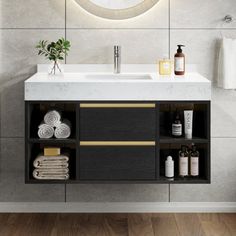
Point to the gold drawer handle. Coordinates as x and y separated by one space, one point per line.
117 143
117 105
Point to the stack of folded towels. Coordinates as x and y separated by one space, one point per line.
53 124
51 165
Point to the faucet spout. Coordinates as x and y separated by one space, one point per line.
117 59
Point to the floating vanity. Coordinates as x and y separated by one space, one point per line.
120 122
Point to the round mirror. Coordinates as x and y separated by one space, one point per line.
116 9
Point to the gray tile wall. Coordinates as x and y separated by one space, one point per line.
144 39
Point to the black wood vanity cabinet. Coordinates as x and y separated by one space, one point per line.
119 142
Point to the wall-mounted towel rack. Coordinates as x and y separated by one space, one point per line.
228 19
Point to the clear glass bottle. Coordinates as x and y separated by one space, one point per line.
183 161
194 161
165 66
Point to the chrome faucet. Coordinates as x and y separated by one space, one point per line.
117 59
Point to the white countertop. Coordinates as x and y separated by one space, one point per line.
79 83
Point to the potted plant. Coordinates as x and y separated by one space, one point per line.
55 52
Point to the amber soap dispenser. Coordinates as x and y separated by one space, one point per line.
179 61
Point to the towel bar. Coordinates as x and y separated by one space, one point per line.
228 19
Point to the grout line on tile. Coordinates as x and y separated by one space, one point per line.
65 193
32 28
202 28
169 29
118 28
169 193
65 25
212 137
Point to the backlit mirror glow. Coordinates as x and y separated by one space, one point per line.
116 9
116 4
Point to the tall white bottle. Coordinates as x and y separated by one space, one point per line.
169 167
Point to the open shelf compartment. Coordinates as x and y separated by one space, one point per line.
36 112
35 149
170 149
201 122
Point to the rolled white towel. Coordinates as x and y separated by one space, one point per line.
63 130
52 118
45 131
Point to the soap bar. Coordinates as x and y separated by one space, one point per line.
52 151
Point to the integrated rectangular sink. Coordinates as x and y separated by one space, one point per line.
117 77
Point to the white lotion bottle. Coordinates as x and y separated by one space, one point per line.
169 167
188 124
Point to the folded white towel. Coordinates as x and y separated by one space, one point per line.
52 118
57 174
51 164
51 161
227 64
45 131
63 130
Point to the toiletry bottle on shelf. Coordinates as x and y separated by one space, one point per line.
169 167
194 161
188 124
177 126
165 66
179 61
183 161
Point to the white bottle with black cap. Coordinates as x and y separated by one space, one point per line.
169 167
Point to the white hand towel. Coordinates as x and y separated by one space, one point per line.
227 64
51 164
63 130
51 160
45 131
52 118
62 174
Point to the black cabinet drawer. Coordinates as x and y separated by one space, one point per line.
117 163
118 123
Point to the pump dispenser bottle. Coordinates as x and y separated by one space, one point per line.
183 161
194 161
179 61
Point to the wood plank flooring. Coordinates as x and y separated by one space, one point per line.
118 224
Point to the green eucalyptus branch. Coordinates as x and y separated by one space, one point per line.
54 51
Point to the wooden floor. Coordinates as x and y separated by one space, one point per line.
117 224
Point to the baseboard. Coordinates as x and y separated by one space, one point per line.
117 207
